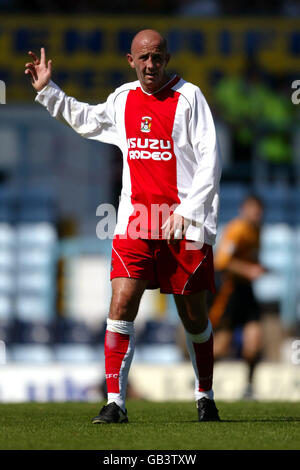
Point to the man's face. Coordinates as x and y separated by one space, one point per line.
149 58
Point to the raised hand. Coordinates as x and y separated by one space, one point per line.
38 70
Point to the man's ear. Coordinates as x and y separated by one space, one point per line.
168 57
130 61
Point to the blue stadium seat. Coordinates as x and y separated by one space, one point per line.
32 307
6 307
8 204
277 202
35 258
7 248
7 269
36 214
37 204
281 202
70 331
277 244
38 332
7 235
7 330
277 255
157 343
158 332
231 197
42 234
31 353
158 354
33 282
7 284
297 259
75 353
295 207
36 271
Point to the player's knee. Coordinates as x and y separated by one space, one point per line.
193 315
123 308
195 325
197 319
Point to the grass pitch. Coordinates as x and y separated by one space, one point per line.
153 426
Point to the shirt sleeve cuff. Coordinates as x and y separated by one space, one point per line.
47 90
195 216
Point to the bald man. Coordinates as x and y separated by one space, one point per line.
168 208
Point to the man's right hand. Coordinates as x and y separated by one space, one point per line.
246 269
255 270
38 70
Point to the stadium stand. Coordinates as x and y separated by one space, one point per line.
7 204
37 204
231 196
278 255
29 252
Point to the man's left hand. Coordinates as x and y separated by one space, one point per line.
174 228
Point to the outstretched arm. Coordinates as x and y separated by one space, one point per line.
246 269
38 70
90 121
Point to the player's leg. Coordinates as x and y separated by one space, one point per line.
249 321
251 348
119 346
222 343
186 270
132 270
192 310
251 340
119 337
193 314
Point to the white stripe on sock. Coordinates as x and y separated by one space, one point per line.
201 337
120 326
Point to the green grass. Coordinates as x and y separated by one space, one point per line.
152 426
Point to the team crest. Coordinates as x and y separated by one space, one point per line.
146 124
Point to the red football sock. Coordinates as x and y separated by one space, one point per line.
118 350
205 364
200 347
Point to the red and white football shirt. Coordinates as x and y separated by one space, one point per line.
170 155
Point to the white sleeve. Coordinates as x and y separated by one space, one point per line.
205 184
92 122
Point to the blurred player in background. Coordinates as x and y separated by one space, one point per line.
165 130
235 308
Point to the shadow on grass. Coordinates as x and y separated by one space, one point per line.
243 420
262 420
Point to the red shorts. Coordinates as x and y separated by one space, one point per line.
184 268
